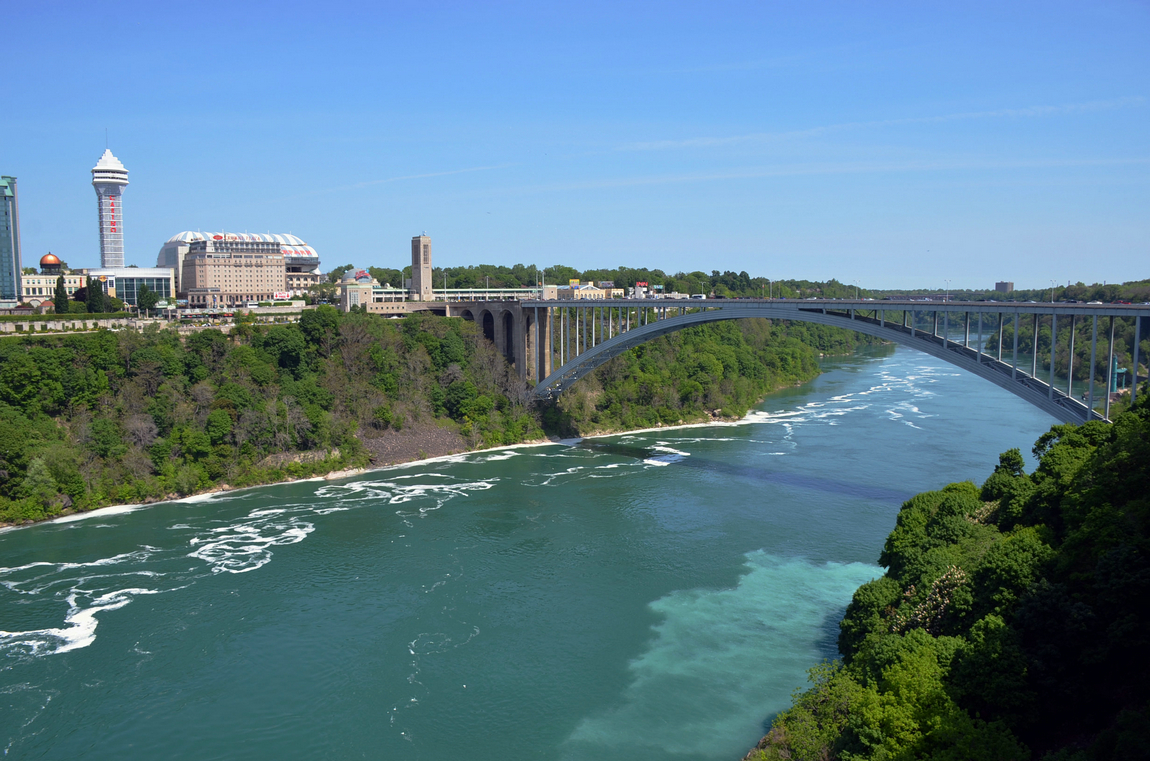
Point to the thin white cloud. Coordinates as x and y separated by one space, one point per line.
796 170
1030 112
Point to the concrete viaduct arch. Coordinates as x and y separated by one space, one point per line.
513 330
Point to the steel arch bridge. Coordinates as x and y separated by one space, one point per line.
588 334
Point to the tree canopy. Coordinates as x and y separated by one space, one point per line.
1012 620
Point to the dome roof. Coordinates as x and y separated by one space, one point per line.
290 245
49 260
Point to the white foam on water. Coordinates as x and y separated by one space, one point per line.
721 661
247 546
550 478
496 457
48 571
102 512
79 628
205 497
238 545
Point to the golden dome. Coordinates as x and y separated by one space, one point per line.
49 260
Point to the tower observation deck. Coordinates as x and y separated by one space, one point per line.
109 178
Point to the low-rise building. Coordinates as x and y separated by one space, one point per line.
1004 287
125 283
37 290
359 289
581 292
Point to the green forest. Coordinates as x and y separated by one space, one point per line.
111 417
1012 621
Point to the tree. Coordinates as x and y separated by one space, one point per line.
146 299
337 273
61 298
95 296
219 426
38 483
319 324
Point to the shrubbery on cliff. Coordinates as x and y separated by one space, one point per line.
108 417
1013 620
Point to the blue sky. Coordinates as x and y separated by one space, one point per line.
897 144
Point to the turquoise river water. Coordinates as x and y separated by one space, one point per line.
641 596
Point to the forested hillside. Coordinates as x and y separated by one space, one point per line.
1012 621
121 417
112 417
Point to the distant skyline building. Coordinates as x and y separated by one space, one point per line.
421 269
9 243
1004 287
109 178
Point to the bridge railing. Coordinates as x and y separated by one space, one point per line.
574 328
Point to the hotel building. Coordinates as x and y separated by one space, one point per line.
228 270
301 262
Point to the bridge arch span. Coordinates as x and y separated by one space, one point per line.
1002 374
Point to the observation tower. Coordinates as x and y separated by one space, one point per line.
109 178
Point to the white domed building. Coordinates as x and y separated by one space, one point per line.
300 261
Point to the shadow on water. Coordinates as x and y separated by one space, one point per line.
757 473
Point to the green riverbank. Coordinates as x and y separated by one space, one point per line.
123 417
1011 622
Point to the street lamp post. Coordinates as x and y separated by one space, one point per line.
946 296
1051 291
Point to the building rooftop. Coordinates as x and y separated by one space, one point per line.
109 170
290 245
108 161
